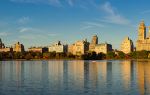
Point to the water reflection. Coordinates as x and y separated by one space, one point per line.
74 77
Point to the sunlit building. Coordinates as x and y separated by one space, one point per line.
93 43
143 41
99 48
18 47
103 48
58 47
38 49
3 48
127 45
79 47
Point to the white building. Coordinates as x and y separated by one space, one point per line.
58 47
127 45
103 48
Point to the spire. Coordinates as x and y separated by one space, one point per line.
142 23
142 31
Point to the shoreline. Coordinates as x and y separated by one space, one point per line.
73 60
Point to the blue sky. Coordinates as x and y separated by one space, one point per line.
42 22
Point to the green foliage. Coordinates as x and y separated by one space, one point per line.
28 56
18 55
46 55
70 55
93 56
139 54
133 54
87 56
142 54
121 55
110 55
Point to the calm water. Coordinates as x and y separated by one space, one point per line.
74 78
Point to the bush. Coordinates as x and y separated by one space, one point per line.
110 55
28 56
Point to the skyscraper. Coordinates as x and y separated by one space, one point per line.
143 42
93 43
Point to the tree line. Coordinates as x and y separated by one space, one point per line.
87 56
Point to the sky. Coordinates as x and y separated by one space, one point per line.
43 22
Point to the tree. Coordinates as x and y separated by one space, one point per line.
142 54
28 56
101 56
110 55
18 55
121 54
46 55
133 54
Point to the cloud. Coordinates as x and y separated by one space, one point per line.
31 36
88 25
52 34
112 16
50 2
70 2
55 2
145 12
4 33
24 20
60 3
26 29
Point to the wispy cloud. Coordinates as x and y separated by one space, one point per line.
70 2
55 2
24 20
145 12
27 29
32 36
52 34
60 3
112 16
50 2
4 33
88 25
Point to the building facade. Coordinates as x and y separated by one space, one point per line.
127 45
58 48
143 41
6 49
18 47
93 43
99 48
38 49
3 48
79 47
1 44
103 48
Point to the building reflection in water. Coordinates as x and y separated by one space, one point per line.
126 71
76 75
56 77
143 77
147 77
1 70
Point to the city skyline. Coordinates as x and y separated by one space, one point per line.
42 22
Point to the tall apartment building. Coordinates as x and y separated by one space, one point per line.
58 47
143 41
18 47
127 45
